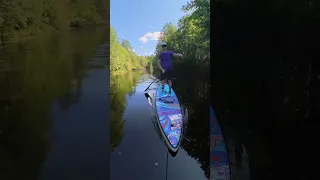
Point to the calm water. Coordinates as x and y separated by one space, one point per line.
137 150
54 115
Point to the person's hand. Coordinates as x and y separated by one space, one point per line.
163 71
180 55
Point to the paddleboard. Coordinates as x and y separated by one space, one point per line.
219 160
169 117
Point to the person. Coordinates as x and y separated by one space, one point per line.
165 65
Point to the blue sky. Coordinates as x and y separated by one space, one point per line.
140 21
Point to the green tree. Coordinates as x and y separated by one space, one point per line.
29 17
191 37
126 44
122 56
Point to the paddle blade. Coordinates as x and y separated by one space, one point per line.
147 95
148 98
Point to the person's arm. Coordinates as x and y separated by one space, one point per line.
159 62
176 54
159 65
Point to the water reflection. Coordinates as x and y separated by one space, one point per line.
134 136
120 86
34 74
193 92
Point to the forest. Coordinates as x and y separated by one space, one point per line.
191 37
20 18
122 56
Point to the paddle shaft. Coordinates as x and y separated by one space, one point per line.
152 82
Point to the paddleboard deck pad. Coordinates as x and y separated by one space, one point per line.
169 116
219 161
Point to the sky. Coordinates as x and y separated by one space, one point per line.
140 21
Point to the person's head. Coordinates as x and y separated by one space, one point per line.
164 46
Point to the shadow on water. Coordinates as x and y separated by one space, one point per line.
120 87
193 92
135 136
35 76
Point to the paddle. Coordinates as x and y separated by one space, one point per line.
157 78
152 82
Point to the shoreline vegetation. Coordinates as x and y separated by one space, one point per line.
191 37
123 58
20 19
123 72
44 33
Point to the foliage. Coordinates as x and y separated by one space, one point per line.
28 17
123 57
191 37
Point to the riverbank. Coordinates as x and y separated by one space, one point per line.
124 72
19 36
25 18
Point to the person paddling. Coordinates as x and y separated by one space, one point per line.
165 65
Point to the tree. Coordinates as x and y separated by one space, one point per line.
29 17
191 37
126 44
122 56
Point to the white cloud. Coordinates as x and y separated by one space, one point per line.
148 53
150 36
141 46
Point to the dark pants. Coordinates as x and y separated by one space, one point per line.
166 76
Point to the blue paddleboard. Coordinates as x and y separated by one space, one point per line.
169 117
219 160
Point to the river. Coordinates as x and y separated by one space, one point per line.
54 99
137 150
63 117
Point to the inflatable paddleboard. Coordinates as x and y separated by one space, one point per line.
169 117
219 160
